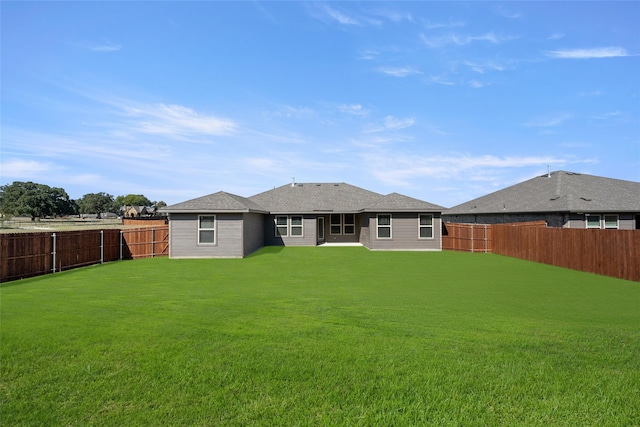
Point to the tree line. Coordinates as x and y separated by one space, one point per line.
40 200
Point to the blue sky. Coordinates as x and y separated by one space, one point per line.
442 101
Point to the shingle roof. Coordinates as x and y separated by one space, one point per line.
398 202
315 197
216 202
560 191
305 198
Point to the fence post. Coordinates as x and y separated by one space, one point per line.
121 245
101 246
153 241
472 233
53 254
485 239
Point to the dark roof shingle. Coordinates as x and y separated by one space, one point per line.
559 191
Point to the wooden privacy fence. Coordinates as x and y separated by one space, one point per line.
32 254
475 237
614 253
467 237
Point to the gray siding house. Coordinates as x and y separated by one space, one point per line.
562 199
301 214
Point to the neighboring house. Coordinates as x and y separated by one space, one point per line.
562 199
227 225
138 211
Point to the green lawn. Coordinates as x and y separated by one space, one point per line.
321 336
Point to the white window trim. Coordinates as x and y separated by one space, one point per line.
345 225
214 229
432 227
289 226
333 224
378 226
604 221
276 225
586 221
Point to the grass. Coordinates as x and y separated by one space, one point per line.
321 336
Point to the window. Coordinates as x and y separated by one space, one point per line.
349 224
281 226
611 221
207 229
289 226
296 226
384 226
336 224
425 226
593 221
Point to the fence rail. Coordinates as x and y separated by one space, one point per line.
32 254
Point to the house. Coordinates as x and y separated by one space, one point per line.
138 211
301 214
562 199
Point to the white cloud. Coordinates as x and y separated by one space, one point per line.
598 52
286 111
101 46
436 25
476 84
107 47
19 169
339 16
548 121
176 120
462 39
442 80
390 123
353 109
401 169
556 36
399 71
482 67
607 116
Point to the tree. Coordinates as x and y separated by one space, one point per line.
132 200
97 203
34 200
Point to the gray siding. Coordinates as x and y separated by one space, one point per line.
183 237
404 233
253 232
365 230
308 238
626 221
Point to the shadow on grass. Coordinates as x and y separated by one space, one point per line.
266 250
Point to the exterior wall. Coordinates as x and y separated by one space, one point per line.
341 238
308 238
253 232
552 219
365 230
626 221
404 233
183 237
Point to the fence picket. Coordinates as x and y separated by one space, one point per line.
32 254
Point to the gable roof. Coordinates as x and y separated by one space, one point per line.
302 198
315 198
214 203
398 202
559 191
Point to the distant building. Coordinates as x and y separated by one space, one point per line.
562 199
